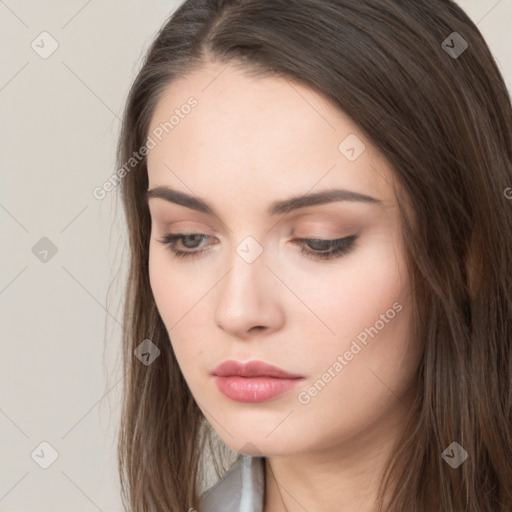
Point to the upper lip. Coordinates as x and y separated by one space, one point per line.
252 369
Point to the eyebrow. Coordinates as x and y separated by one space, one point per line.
275 208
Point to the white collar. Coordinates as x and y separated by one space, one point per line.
241 489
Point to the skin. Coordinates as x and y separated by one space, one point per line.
251 141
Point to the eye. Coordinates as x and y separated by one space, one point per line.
326 249
192 240
315 248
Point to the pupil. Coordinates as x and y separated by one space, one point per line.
320 244
193 238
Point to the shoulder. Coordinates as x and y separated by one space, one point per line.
241 489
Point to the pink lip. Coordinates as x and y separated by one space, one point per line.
254 381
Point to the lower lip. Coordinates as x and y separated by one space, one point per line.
253 389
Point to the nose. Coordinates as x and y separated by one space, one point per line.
248 300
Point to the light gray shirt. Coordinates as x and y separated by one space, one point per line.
241 489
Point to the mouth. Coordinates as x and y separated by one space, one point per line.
254 381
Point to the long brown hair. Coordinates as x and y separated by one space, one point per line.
444 122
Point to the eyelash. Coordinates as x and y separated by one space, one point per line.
342 246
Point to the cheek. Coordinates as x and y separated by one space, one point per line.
353 384
174 291
178 300
354 295
368 311
170 293
162 283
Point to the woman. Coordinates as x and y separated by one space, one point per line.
320 238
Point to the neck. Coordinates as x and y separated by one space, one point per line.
344 476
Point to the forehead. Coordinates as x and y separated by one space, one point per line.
260 134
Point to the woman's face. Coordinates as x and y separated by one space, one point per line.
244 291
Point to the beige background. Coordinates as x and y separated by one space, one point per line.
60 120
